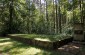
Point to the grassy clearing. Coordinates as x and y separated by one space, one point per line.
43 37
11 47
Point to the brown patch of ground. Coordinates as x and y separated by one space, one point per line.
74 48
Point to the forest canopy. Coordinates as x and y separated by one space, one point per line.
40 16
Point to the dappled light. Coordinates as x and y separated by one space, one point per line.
75 47
72 48
6 43
12 47
41 39
42 27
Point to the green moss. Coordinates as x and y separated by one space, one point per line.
43 37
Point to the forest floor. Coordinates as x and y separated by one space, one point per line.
73 48
12 47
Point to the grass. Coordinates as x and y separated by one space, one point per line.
43 37
12 47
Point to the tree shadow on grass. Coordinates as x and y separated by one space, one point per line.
53 53
17 47
8 45
2 41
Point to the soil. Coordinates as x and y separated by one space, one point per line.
73 48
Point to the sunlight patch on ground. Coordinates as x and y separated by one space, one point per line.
61 48
16 51
25 51
11 47
31 51
76 47
17 34
42 39
4 39
6 43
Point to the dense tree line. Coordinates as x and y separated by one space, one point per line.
40 16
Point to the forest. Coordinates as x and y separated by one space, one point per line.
40 16
42 25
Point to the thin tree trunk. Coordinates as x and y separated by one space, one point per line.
82 11
73 13
40 7
47 21
60 28
56 17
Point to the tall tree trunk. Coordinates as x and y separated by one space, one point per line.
40 15
80 3
29 26
73 12
60 28
47 20
2 10
56 17
11 16
82 11
40 7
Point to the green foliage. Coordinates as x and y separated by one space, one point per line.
43 37
33 17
